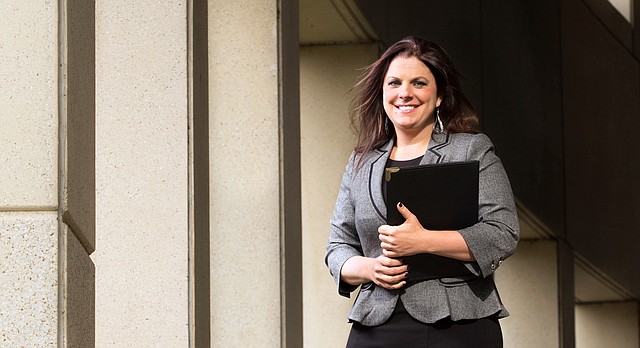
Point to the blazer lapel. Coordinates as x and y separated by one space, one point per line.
436 145
376 175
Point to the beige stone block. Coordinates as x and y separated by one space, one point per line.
245 174
28 105
28 279
326 74
79 295
142 246
609 324
528 285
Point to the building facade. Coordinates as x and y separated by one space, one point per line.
169 168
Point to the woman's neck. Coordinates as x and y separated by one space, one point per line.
409 146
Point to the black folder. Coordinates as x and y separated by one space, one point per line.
443 196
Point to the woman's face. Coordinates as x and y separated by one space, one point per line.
410 94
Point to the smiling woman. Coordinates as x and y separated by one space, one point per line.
409 109
369 109
410 98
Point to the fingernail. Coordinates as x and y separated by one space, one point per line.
400 204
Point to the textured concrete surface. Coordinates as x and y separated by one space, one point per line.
612 324
245 174
528 286
326 74
28 279
28 105
141 257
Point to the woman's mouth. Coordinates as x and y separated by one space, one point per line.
406 108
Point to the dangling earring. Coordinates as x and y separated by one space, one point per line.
439 128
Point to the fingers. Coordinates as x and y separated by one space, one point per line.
385 229
391 263
389 273
385 237
392 286
389 242
391 283
389 253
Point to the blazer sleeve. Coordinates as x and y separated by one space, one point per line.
494 238
344 242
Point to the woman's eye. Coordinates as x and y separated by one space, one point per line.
419 83
394 83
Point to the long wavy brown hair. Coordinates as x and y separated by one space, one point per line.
368 118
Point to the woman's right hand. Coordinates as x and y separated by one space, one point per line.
383 271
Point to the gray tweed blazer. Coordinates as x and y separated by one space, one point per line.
360 210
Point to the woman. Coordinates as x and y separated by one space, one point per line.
409 109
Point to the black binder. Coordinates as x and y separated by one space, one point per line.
443 196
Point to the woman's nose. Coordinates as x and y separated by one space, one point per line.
405 92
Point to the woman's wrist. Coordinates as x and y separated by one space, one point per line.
448 244
357 270
426 244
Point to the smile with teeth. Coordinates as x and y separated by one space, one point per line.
406 108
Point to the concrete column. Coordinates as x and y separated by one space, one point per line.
142 169
29 173
47 174
609 324
528 285
254 137
326 74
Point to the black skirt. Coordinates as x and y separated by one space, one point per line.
402 330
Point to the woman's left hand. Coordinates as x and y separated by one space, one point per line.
405 239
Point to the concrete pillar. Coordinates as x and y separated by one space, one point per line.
47 174
326 74
29 174
142 171
528 285
255 188
608 324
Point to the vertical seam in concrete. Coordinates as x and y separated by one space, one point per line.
289 175
62 122
635 27
198 174
190 174
566 319
281 181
